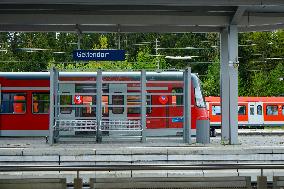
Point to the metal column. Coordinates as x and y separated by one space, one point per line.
53 101
143 104
99 104
56 102
187 106
229 84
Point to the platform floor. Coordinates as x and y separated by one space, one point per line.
247 139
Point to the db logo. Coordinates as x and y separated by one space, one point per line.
163 99
78 99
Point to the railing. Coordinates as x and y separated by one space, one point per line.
120 125
76 125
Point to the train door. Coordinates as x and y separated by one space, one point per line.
255 113
118 98
176 108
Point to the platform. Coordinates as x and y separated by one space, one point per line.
251 149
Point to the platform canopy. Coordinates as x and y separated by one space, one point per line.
140 15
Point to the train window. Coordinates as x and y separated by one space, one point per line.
105 105
65 100
135 100
259 110
283 110
117 100
177 99
216 110
251 109
199 98
40 103
242 110
13 103
272 110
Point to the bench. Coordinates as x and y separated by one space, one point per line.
33 183
170 182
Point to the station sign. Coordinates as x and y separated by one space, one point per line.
99 55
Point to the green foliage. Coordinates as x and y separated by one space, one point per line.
259 75
211 84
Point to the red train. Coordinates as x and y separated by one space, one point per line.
25 100
252 111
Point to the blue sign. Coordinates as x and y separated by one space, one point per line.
99 55
177 119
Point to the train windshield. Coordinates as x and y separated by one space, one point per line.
199 100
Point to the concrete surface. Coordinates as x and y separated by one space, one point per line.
251 149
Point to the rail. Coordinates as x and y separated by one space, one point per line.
82 168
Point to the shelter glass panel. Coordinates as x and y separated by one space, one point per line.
13 103
272 110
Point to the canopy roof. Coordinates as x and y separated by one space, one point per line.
140 15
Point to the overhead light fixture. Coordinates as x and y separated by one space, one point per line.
276 58
32 49
4 50
180 57
139 44
59 52
156 55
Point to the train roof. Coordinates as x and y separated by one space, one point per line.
248 99
165 75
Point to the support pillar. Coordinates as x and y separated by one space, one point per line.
143 104
99 104
229 84
187 106
57 103
53 79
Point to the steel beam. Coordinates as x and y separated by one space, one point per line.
108 28
150 2
260 28
99 104
143 104
229 84
238 15
61 19
187 106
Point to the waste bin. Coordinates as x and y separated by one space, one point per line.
203 131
